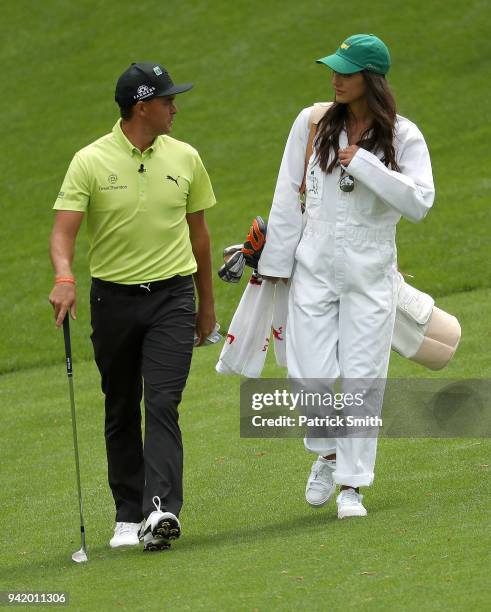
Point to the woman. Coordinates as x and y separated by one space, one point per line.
369 167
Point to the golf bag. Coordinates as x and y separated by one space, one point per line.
237 256
422 332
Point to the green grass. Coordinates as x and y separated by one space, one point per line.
252 63
249 541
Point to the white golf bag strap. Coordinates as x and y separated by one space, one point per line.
318 111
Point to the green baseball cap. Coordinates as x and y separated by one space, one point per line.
359 52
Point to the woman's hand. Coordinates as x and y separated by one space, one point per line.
346 155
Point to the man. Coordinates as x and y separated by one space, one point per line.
144 195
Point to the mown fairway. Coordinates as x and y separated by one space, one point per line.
249 540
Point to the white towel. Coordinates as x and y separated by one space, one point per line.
280 313
247 341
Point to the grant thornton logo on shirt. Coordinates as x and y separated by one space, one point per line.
112 179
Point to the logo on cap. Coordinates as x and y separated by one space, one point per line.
157 70
345 46
144 91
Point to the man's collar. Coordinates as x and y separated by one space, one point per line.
123 141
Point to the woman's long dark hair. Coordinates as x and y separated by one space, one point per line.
383 108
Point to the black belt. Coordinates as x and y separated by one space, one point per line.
142 288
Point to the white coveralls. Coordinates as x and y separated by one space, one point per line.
343 266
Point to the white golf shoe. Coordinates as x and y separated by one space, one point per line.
349 504
320 485
125 534
159 529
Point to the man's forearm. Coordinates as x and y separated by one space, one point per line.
62 242
200 242
62 250
203 276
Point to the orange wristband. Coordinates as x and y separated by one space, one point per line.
64 279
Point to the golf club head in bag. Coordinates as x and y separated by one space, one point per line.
237 256
233 268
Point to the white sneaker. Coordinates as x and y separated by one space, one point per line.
160 528
125 534
349 504
320 485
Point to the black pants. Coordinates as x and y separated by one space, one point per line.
143 341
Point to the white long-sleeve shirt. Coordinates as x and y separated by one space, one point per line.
379 199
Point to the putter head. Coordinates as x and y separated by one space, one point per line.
80 556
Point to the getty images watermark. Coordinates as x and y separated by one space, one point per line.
316 408
308 400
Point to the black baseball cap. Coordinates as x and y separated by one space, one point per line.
144 81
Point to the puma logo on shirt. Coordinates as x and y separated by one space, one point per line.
171 178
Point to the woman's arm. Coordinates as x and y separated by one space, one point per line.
411 191
285 218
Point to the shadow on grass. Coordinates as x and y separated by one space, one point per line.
246 534
256 533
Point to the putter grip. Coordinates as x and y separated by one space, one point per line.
68 348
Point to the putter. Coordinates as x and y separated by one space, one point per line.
81 555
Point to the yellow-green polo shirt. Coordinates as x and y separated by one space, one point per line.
136 221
